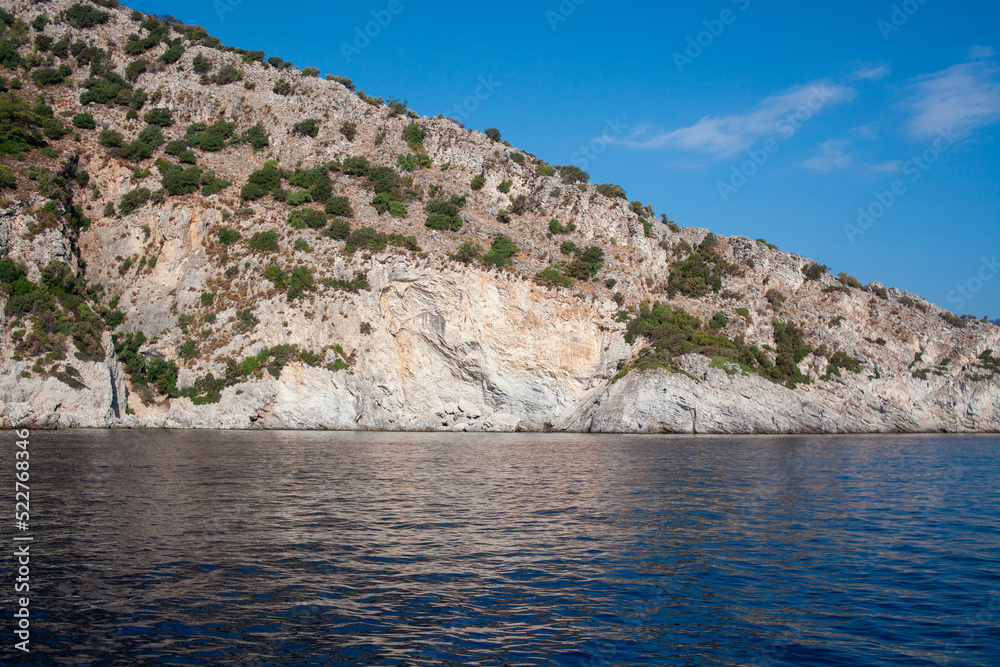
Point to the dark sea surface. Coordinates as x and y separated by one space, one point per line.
261 548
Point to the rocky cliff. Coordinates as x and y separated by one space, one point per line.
195 236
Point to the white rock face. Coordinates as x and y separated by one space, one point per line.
433 344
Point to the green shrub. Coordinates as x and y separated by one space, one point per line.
276 275
173 54
366 237
545 170
212 184
159 116
501 253
307 128
572 174
264 242
593 257
468 252
384 203
953 319
43 43
849 281
493 133
257 137
61 48
207 298
478 182
149 139
84 121
261 182
414 135
109 90
228 236
7 178
212 137
163 375
349 130
188 350
342 80
307 217
300 282
567 248
383 180
301 245
48 76
612 191
443 213
227 74
338 229
136 68
133 200
407 162
83 16
556 227
283 88
177 180
357 166
553 276
517 157
694 276
841 359
200 64
814 271
505 186
339 206
719 321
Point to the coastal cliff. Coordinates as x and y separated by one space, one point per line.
194 236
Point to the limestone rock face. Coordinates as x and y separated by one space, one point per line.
395 339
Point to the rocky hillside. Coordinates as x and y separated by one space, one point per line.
200 236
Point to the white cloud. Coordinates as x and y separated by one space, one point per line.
977 52
961 98
890 167
870 71
831 157
869 131
721 136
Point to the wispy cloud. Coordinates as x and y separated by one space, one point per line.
890 167
722 136
962 98
870 71
869 131
830 157
977 52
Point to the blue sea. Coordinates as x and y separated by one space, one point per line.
282 548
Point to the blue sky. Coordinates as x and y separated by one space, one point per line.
780 120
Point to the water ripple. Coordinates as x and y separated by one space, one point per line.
198 548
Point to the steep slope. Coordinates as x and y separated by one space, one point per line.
197 237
